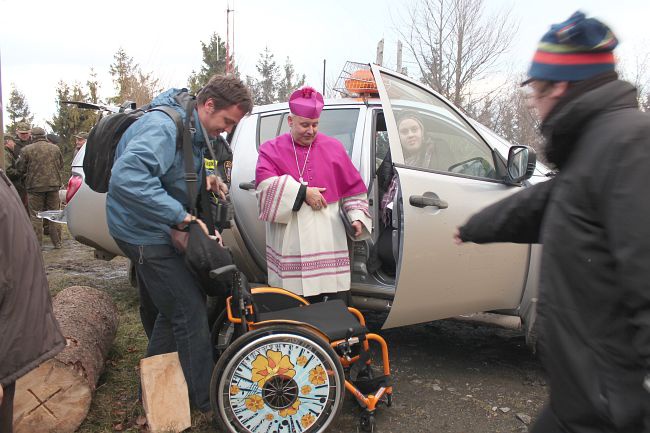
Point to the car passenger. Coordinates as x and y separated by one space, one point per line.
418 152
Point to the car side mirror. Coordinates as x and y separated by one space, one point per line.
521 164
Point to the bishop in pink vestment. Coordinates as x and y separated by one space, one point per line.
303 178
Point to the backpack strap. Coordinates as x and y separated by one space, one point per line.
191 177
176 117
184 142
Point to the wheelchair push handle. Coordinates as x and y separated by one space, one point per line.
216 273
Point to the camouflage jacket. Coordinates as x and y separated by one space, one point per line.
41 165
20 144
10 169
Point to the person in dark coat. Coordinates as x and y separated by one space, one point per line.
30 334
593 219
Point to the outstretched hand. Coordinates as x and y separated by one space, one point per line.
457 238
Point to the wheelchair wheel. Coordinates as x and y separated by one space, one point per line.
277 379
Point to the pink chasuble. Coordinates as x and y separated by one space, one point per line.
327 166
307 250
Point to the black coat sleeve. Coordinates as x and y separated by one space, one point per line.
516 218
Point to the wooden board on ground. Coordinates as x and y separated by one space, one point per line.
164 393
55 397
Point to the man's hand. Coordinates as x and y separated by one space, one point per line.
217 237
217 185
188 218
358 228
457 239
315 199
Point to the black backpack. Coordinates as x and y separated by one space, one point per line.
104 136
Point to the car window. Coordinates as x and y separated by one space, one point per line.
433 136
340 123
268 128
381 139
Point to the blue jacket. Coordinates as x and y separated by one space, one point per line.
147 193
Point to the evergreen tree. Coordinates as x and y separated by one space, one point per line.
289 82
18 110
266 89
93 87
214 62
131 83
70 119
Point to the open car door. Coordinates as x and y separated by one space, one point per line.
452 174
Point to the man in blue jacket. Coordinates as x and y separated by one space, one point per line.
147 196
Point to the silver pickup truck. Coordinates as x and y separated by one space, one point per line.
432 278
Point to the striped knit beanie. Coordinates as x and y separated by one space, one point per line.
577 49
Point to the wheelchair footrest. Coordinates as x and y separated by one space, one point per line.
372 385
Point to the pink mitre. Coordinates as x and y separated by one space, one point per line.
306 102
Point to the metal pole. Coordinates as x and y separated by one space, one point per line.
233 36
399 57
2 124
324 66
228 39
380 53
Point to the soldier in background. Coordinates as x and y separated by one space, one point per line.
41 165
80 140
11 156
10 159
23 136
53 138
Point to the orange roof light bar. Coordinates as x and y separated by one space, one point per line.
361 82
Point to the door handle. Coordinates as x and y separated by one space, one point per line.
427 199
247 186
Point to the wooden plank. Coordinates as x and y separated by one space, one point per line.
164 393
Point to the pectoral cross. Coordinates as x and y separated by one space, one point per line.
302 181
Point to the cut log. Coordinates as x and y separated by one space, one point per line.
164 394
56 396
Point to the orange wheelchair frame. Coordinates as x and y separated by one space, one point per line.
269 402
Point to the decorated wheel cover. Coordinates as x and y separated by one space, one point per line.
284 382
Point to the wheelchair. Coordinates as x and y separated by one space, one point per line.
284 364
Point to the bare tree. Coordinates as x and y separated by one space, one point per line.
454 43
637 72
131 82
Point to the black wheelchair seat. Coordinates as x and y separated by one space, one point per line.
332 318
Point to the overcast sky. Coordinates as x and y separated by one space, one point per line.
43 42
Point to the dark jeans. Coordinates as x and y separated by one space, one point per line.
182 322
7 408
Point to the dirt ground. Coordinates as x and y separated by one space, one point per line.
448 376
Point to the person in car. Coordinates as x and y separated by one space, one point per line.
418 152
593 313
302 178
147 196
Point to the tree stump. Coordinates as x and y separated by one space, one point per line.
56 396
